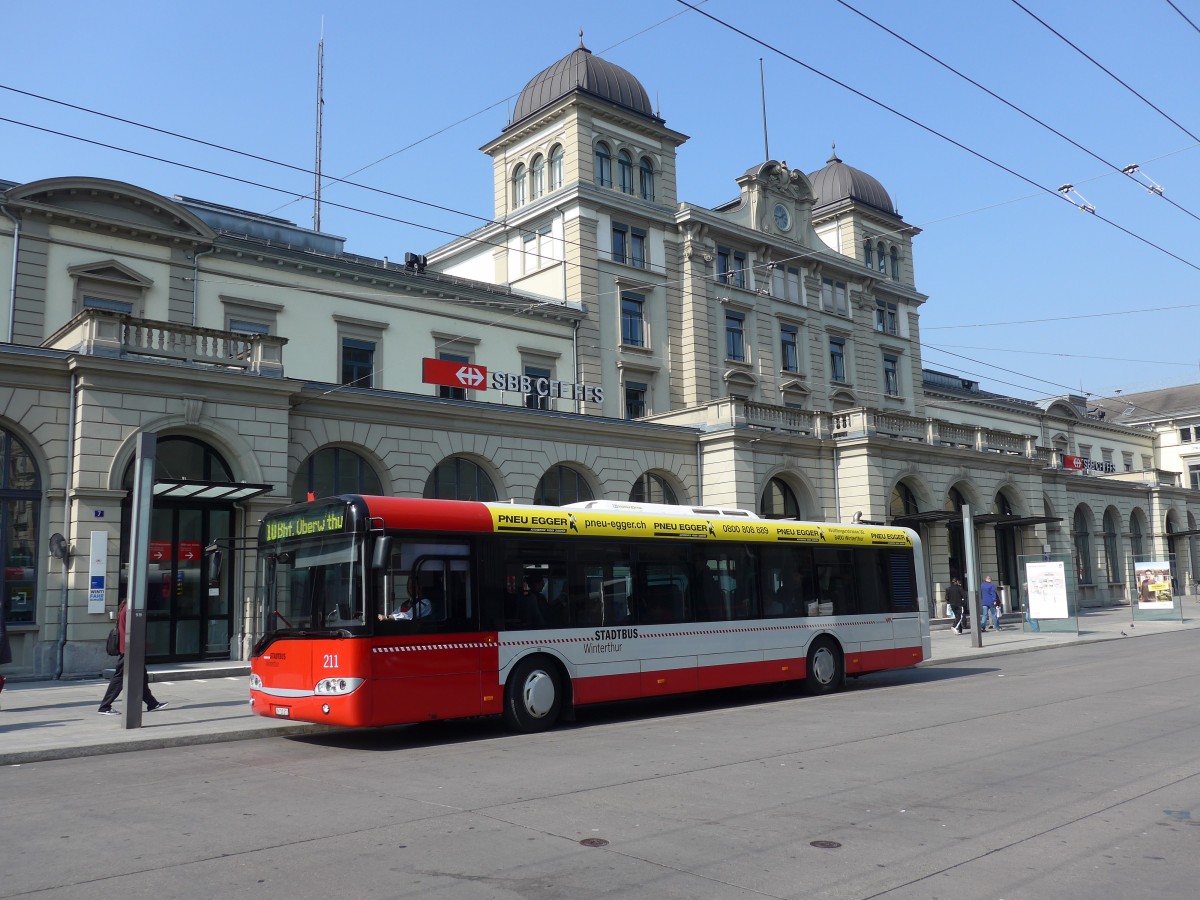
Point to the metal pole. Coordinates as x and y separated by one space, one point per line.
139 555
972 573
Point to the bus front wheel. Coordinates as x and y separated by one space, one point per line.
825 672
533 696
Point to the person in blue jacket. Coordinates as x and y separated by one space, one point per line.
989 599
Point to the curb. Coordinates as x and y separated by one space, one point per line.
24 757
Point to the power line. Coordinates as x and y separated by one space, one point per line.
1122 312
1127 171
474 115
1181 14
1099 66
936 133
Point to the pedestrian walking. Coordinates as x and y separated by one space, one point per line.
117 682
956 597
989 599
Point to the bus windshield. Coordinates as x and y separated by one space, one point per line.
313 584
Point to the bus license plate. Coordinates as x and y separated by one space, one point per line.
283 712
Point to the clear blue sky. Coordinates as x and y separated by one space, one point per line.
1036 297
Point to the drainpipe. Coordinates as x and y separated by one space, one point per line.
699 472
12 294
196 282
837 494
66 560
575 360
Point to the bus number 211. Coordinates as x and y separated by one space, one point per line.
331 661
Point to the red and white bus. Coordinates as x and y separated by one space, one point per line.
382 610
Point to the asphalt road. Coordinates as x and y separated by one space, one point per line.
1063 773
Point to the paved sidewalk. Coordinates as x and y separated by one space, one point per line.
209 703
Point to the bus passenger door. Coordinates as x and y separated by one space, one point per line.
436 674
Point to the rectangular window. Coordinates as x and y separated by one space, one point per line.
528 254
837 359
885 317
245 326
545 247
633 322
735 336
120 306
358 362
620 243
778 289
789 351
1185 435
793 285
445 391
739 269
635 399
891 376
833 296
535 399
1194 477
723 265
1127 458
637 248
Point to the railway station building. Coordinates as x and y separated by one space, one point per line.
601 338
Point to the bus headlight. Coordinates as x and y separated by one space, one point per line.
255 682
337 687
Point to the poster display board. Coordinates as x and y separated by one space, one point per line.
1048 582
1153 592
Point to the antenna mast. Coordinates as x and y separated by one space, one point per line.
762 80
320 116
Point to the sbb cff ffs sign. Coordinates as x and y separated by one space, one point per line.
473 377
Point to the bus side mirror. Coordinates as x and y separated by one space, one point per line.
381 553
214 563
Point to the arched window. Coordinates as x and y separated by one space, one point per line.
518 187
1136 547
1112 557
903 502
778 502
869 253
882 251
1083 547
537 173
183 458
895 265
556 167
20 500
334 470
647 179
603 165
957 561
625 169
456 478
651 488
561 485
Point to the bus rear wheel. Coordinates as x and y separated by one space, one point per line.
825 672
533 697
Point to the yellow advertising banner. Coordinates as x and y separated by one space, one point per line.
516 519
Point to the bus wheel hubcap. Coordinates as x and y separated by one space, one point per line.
823 666
539 694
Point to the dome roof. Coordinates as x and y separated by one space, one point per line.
580 70
838 181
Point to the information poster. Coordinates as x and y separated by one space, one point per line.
1047 590
1153 584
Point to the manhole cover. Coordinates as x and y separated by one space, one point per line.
594 842
825 845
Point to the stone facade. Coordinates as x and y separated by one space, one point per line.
234 336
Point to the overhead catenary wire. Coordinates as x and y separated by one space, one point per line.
933 131
1127 171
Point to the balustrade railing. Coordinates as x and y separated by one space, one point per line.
102 332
